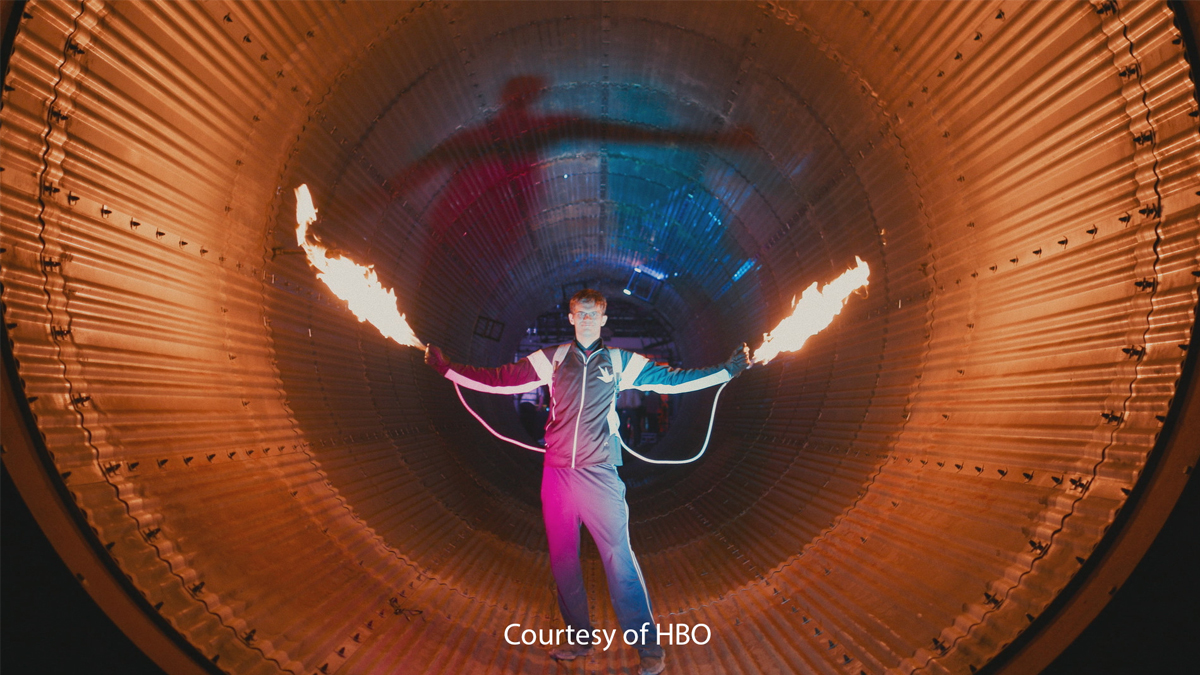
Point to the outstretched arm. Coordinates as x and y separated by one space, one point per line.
552 129
472 144
525 375
641 373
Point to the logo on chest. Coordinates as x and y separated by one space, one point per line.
606 375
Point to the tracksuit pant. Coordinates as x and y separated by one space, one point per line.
595 496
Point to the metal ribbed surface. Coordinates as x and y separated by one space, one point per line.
293 493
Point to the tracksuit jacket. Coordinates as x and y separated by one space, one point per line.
583 425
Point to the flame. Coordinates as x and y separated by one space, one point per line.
814 311
357 285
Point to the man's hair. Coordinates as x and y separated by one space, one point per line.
589 296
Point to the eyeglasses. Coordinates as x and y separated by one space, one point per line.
594 314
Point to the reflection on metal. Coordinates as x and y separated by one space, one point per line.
291 492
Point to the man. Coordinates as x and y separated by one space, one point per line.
579 477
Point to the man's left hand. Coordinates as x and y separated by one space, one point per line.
739 360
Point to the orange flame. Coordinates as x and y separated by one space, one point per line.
357 285
815 310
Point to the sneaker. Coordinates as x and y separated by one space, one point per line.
652 665
570 652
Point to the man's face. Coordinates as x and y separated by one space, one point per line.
587 319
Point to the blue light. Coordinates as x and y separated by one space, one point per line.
658 276
743 269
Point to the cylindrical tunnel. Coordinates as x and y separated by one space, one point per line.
935 483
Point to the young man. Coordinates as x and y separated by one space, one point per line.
579 478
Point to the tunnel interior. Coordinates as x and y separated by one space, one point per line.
287 490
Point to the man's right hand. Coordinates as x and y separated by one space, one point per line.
434 358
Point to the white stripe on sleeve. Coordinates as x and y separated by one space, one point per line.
706 381
542 365
464 381
632 369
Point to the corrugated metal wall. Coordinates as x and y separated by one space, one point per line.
293 493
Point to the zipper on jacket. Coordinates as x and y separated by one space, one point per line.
582 399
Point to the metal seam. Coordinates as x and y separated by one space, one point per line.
58 350
1133 380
